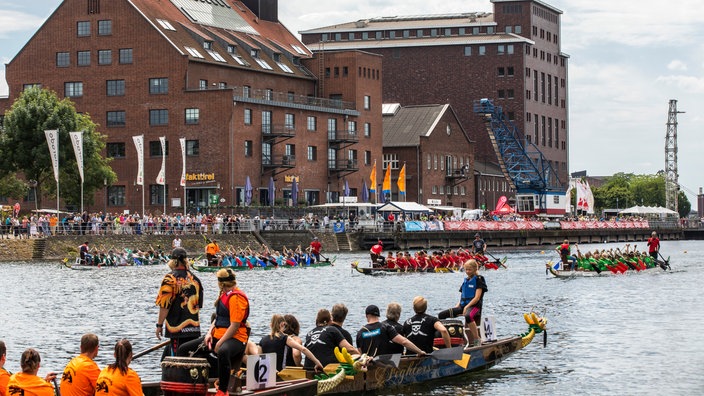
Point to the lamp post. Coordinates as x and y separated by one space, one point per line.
105 184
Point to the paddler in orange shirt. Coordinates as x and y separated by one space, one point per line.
81 373
27 382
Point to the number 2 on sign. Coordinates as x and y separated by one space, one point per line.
261 370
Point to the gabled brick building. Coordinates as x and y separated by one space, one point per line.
225 75
512 56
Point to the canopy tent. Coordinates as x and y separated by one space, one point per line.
49 211
649 211
404 207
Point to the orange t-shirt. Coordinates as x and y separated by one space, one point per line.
238 308
114 383
4 378
28 385
79 377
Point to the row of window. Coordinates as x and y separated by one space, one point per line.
448 190
501 49
116 87
545 88
117 150
545 56
492 184
157 193
417 33
311 123
83 58
449 162
157 117
362 72
83 28
546 131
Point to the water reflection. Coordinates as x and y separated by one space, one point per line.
616 335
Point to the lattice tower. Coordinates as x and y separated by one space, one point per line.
671 175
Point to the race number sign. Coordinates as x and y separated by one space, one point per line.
261 371
488 330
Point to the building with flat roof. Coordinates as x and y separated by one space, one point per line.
512 56
224 75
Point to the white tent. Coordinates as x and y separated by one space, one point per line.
405 207
658 211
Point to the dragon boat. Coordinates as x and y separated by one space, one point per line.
202 266
605 267
78 264
368 269
368 374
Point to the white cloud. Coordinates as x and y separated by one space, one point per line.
677 65
14 21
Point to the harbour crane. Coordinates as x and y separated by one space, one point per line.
672 186
530 174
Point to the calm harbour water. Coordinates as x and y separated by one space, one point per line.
624 335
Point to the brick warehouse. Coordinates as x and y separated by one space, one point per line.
512 56
226 76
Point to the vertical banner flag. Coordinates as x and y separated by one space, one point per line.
401 183
372 178
183 155
52 139
161 178
386 186
139 144
77 141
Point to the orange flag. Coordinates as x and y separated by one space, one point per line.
386 186
372 177
401 183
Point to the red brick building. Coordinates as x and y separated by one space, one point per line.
437 153
512 56
226 76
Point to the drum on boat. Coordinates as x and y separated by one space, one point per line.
456 329
184 376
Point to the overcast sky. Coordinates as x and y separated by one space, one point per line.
628 58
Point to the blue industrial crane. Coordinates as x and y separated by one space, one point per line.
523 164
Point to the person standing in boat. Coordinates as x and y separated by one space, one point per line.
654 245
470 306
179 300
27 382
211 253
323 339
228 333
315 248
420 328
280 343
374 337
565 254
375 253
4 374
478 245
81 374
118 379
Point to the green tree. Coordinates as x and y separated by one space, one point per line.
648 190
683 204
12 187
24 151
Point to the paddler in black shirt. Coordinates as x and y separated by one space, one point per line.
374 337
420 328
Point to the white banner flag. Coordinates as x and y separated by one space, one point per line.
161 178
77 141
139 144
52 138
183 155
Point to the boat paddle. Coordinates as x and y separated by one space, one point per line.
454 353
666 264
500 262
152 349
57 388
388 360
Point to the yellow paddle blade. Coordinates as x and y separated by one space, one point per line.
464 361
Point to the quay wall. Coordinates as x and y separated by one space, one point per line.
58 247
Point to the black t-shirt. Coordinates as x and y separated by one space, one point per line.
275 345
344 332
373 338
420 330
394 347
478 245
321 341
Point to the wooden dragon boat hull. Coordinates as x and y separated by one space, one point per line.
368 270
593 274
201 267
298 387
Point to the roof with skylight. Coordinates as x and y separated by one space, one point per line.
214 13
